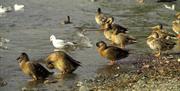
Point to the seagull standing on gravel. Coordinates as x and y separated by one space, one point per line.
59 43
18 7
170 7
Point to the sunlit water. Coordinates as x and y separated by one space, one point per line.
29 31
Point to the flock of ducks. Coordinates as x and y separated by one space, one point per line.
159 40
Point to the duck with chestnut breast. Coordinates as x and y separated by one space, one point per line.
62 61
101 18
162 33
111 53
34 70
159 44
176 27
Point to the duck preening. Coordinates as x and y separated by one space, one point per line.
33 69
162 33
159 44
112 53
62 61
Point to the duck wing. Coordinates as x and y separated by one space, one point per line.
40 71
115 53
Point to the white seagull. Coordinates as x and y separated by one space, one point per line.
59 43
4 9
170 7
18 7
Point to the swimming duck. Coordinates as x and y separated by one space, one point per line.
60 44
158 44
176 27
68 21
122 39
112 53
34 70
178 15
62 61
18 7
162 33
101 18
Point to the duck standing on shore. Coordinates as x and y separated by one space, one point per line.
62 61
34 70
112 53
159 44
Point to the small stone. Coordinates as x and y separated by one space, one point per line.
178 60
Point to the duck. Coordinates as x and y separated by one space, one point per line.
60 44
110 28
111 53
18 7
62 61
33 69
162 33
101 18
68 21
176 27
122 39
177 15
159 44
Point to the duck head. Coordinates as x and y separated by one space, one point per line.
99 10
52 37
101 44
23 57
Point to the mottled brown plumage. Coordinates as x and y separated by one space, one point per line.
62 61
101 18
112 53
34 70
158 44
162 33
176 27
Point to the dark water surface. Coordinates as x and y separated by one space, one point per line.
29 32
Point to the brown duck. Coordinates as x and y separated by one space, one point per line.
162 33
122 39
101 18
62 61
159 44
34 70
112 53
